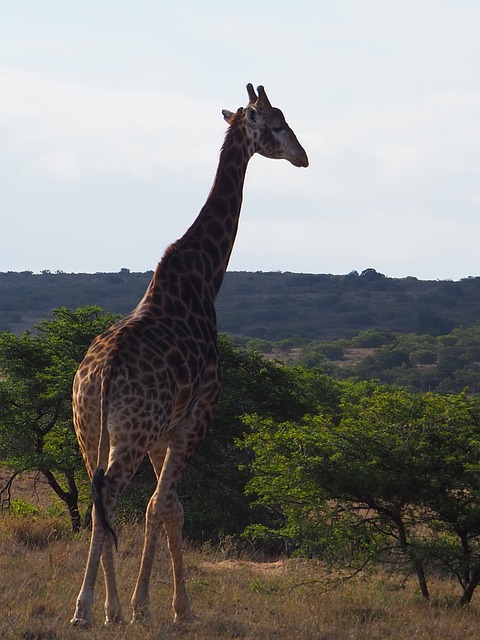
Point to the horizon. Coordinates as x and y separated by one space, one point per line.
127 271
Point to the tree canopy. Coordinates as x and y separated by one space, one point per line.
37 369
395 478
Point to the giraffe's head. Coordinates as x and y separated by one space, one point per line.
268 130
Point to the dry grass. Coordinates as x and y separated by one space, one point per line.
282 600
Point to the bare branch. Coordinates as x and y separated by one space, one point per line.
6 491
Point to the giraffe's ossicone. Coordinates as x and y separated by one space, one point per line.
150 383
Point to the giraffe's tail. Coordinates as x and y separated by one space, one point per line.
97 483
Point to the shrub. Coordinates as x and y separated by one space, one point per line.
35 532
423 356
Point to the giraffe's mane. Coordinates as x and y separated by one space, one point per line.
233 125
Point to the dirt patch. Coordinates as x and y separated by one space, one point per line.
354 356
278 567
29 486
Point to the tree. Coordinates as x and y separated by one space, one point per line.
36 430
213 488
396 477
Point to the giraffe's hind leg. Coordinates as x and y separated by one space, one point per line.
83 611
113 483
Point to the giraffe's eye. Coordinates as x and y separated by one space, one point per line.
277 129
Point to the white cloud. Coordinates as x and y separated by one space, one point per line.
93 131
397 155
60 165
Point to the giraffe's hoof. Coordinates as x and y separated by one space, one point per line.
187 617
141 617
82 623
114 620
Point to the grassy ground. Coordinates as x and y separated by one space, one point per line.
41 568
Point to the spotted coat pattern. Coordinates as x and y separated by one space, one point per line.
150 383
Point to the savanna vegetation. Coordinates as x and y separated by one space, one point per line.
232 596
351 466
419 334
271 306
447 363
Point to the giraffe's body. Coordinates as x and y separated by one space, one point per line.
150 383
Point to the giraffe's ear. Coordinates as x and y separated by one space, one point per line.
253 116
228 115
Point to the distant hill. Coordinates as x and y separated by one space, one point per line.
272 306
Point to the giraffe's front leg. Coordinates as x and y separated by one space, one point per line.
173 523
173 526
140 597
113 610
83 612
165 508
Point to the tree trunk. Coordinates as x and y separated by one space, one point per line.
74 513
70 497
417 564
422 580
471 586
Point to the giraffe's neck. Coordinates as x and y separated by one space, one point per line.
203 252
213 233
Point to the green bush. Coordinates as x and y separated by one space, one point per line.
423 356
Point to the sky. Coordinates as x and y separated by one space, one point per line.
111 126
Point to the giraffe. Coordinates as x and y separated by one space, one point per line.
150 383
